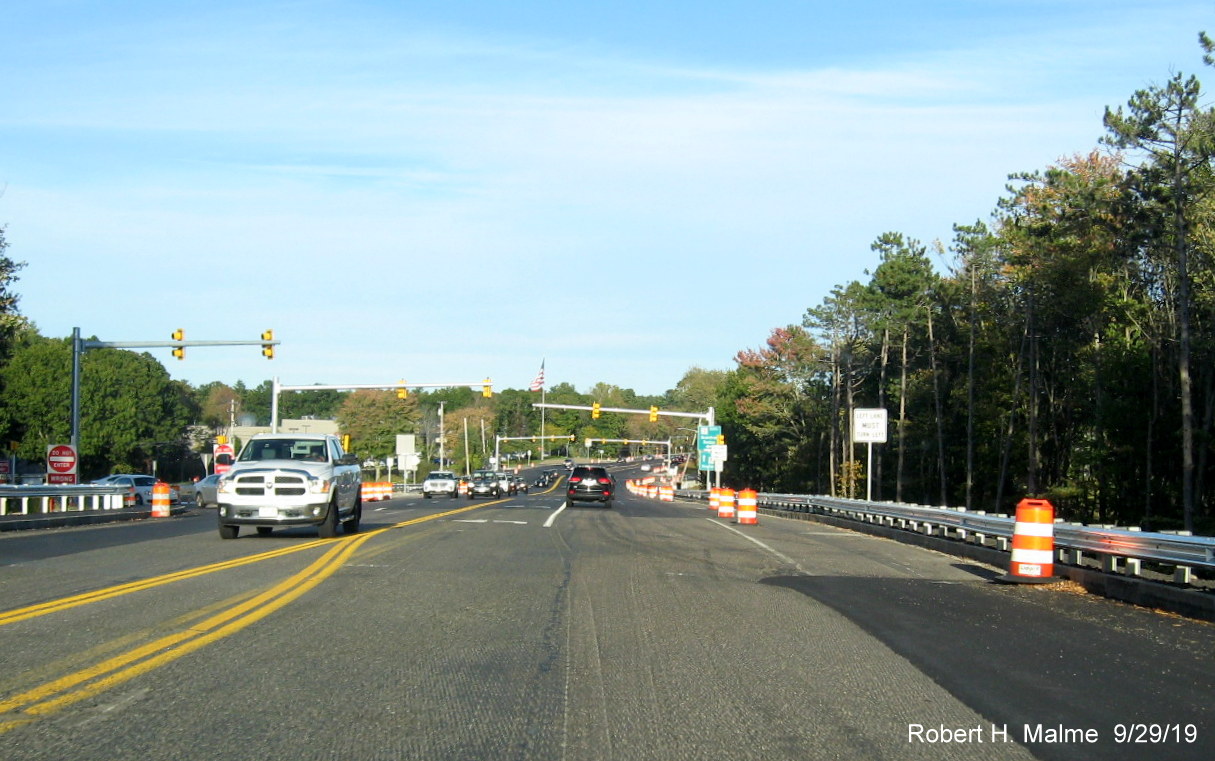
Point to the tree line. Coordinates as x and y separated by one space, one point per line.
1067 351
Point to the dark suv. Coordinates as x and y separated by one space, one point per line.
589 482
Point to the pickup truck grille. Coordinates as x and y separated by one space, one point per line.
276 485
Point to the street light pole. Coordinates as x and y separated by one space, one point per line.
442 445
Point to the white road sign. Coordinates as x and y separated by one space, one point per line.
869 426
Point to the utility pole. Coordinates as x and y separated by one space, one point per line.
442 443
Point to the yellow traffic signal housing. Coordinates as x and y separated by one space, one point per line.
345 442
721 438
268 348
653 414
595 410
402 390
488 389
179 351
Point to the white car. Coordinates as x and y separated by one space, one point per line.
141 485
441 482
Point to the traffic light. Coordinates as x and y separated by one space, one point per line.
268 348
402 390
721 438
345 442
179 351
653 414
595 410
488 389
571 437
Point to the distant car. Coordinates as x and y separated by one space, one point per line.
141 485
590 483
484 485
204 491
521 484
506 483
441 482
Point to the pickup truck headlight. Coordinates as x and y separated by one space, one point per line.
223 486
318 485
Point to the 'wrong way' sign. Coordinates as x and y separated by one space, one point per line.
61 462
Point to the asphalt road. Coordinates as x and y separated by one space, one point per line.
512 629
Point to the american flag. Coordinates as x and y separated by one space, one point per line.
538 383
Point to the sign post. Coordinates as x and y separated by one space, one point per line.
61 464
869 427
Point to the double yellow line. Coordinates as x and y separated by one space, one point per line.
57 694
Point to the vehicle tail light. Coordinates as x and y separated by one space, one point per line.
605 480
575 479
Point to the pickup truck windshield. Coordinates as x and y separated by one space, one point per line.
309 450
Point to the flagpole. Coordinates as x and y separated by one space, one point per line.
543 397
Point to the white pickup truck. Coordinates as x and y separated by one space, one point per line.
296 479
441 482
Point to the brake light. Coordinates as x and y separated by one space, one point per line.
575 479
605 480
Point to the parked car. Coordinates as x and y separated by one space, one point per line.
204 491
591 483
142 486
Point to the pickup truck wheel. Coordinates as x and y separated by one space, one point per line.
227 531
328 527
351 524
426 494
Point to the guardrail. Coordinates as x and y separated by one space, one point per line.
18 500
1119 550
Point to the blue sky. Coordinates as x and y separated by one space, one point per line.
442 192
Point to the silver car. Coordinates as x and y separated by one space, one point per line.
140 485
204 491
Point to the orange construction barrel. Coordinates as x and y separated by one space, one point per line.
1033 544
748 507
725 504
160 500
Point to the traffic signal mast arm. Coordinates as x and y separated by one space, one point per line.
597 440
162 344
486 384
563 436
178 345
709 415
382 386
